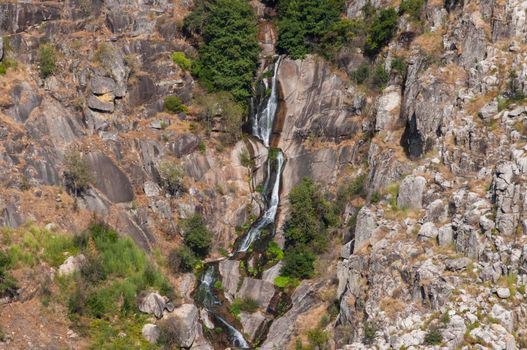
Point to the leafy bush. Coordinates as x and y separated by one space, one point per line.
246 304
197 236
370 333
77 172
302 24
228 56
173 104
171 177
381 76
412 8
181 60
399 66
181 260
298 263
361 74
222 105
47 60
274 253
381 31
433 337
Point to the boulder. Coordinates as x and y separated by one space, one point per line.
153 303
271 273
150 332
503 293
489 110
151 189
72 264
102 85
445 235
366 225
388 109
101 103
411 192
454 331
230 276
109 179
251 323
504 316
184 324
258 290
428 231
183 144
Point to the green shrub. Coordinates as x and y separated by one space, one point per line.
197 236
361 74
173 104
412 8
433 337
246 304
299 262
77 172
171 177
381 77
3 68
399 66
274 253
318 338
282 281
228 56
370 333
47 60
302 24
181 60
381 31
181 260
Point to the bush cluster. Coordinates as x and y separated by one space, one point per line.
77 172
171 177
228 55
198 241
47 57
173 104
310 217
181 60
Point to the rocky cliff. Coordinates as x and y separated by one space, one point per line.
431 254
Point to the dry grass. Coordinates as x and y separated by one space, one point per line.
431 43
392 307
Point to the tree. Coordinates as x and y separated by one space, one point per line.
77 172
302 24
197 236
381 31
229 53
299 263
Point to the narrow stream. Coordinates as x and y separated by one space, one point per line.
262 128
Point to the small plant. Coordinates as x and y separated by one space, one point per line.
201 147
375 197
173 104
380 77
370 333
25 185
361 74
445 318
412 8
47 60
433 337
218 285
246 304
274 253
181 60
171 177
399 66
245 159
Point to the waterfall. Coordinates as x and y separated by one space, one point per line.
269 216
204 293
235 336
263 120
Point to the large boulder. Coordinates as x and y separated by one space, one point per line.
183 323
150 332
154 303
230 276
251 323
72 264
258 290
364 229
109 179
411 192
388 109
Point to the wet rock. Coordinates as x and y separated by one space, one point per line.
109 179
411 192
230 277
184 323
71 265
366 225
260 291
150 333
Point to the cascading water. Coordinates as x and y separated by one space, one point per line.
268 218
262 127
264 117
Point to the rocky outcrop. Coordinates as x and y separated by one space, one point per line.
230 277
184 324
72 265
258 290
154 303
109 179
411 192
